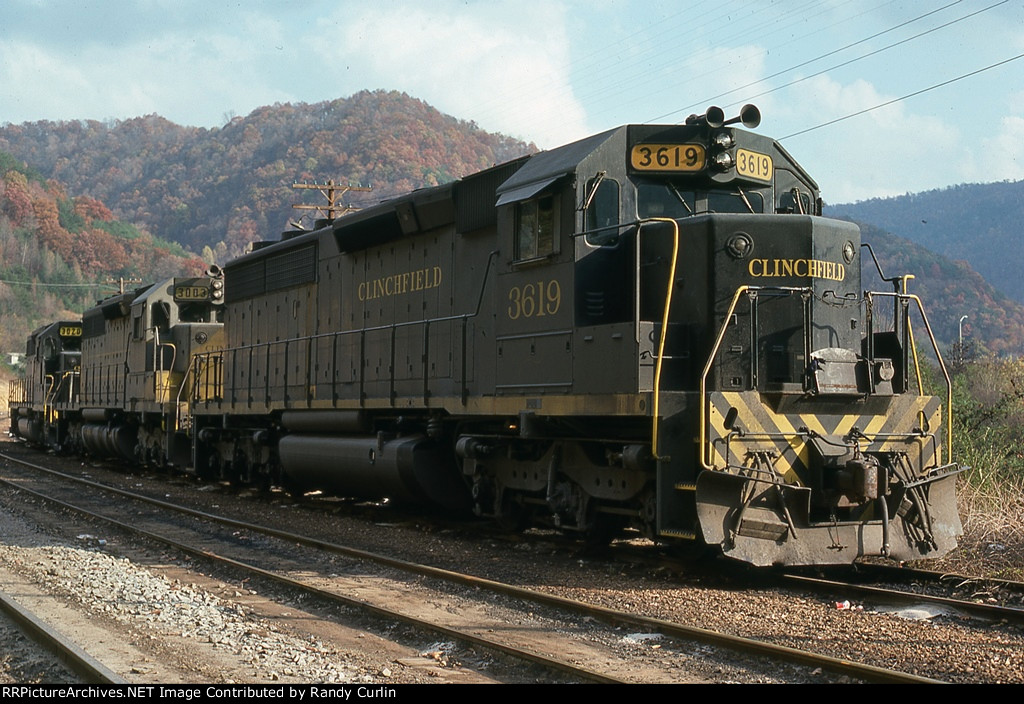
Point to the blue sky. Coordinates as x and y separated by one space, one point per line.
551 71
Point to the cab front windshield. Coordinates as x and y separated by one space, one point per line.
664 199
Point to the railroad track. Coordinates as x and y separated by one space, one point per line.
210 542
879 582
843 589
575 609
980 587
51 639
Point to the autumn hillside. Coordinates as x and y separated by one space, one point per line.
949 289
59 254
223 188
980 223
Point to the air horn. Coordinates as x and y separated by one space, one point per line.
749 115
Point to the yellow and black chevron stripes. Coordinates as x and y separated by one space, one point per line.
762 431
757 434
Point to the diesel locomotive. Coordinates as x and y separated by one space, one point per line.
650 328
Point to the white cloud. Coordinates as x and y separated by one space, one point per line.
505 67
873 154
1000 157
186 78
550 71
26 67
705 75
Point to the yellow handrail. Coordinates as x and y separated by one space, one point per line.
942 366
704 453
48 393
913 343
664 332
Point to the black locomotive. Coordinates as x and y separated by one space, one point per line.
652 327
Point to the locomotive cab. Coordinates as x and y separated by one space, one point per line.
170 322
809 439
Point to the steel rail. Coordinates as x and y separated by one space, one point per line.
903 573
66 650
512 651
992 611
868 673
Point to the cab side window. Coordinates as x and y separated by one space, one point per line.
603 213
535 228
139 324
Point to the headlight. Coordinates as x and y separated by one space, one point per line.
849 252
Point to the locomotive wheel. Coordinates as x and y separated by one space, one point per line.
603 529
212 470
513 518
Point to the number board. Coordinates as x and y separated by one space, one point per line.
667 157
191 292
753 165
70 331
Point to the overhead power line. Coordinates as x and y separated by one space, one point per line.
905 97
40 283
707 101
870 53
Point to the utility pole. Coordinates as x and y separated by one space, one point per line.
960 358
333 193
121 281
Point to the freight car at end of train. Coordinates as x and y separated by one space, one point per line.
651 327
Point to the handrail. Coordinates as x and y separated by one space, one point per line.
664 332
913 342
938 357
705 458
898 283
158 367
71 387
184 378
48 394
181 388
704 445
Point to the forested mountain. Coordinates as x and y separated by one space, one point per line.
59 254
949 290
215 190
223 188
982 224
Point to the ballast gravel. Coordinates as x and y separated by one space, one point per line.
154 608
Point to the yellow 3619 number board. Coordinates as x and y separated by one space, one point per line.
667 157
